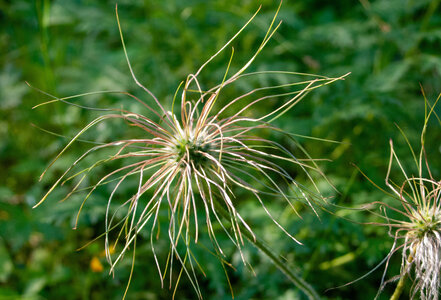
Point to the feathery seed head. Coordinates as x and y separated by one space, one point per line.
422 243
418 223
194 162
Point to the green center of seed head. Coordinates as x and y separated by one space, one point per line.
193 151
427 223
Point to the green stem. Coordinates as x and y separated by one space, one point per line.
281 265
399 288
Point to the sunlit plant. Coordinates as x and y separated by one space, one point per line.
415 221
193 158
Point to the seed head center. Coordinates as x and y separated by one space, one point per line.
193 151
427 221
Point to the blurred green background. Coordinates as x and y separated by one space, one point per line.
392 48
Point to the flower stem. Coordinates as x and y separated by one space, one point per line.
399 288
276 260
400 285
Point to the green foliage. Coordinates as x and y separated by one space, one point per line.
69 47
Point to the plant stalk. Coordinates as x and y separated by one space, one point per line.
276 260
399 289
400 285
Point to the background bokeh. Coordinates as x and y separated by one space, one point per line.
391 47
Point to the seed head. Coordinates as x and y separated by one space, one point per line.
417 221
191 162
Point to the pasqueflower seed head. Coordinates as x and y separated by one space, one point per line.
192 160
415 224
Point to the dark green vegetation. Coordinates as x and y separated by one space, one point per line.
392 47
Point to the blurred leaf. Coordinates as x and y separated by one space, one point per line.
6 264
